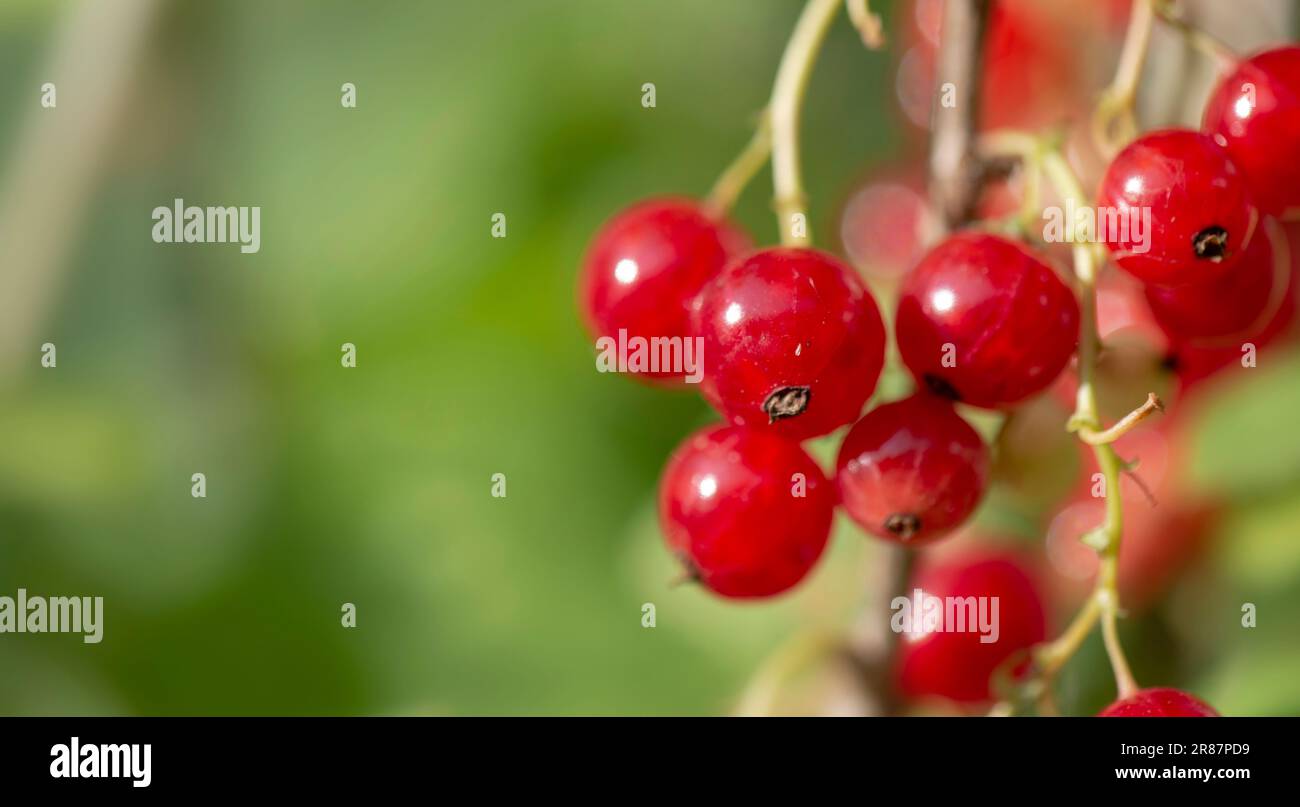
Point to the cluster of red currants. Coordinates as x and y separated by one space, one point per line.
793 344
1215 264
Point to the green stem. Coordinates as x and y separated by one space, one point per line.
1111 530
787 102
1115 107
1103 605
742 170
1199 39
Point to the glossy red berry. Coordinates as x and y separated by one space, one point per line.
746 512
912 470
793 342
983 320
1159 702
956 664
1196 363
1224 306
645 266
1174 209
1255 114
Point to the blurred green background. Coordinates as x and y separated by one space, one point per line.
373 485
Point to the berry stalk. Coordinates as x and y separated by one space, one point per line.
1106 538
1115 107
787 102
1198 38
742 170
1103 605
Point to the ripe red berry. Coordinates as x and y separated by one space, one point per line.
646 265
983 320
747 513
1174 209
1159 702
793 342
1255 114
957 664
1225 306
912 470
1197 363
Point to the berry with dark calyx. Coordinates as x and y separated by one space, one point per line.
912 470
1196 363
1159 702
1255 115
793 342
983 320
645 267
1225 306
954 663
1174 209
747 512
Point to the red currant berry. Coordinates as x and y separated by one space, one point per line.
645 267
954 663
1195 364
1221 307
747 512
912 470
1159 702
1255 115
1174 209
983 320
793 342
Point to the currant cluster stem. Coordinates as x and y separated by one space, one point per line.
742 170
1198 38
1103 605
1104 602
787 102
1115 108
1116 105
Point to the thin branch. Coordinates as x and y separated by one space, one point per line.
1198 38
955 168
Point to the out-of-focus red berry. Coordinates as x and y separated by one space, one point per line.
883 223
956 664
1159 702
